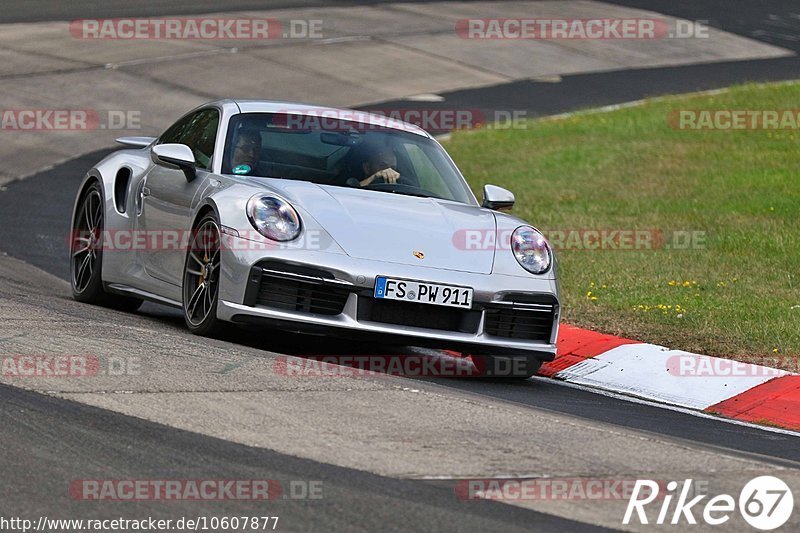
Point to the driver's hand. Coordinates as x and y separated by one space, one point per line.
388 175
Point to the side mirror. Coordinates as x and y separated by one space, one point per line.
497 198
177 156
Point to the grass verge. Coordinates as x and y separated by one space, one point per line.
724 280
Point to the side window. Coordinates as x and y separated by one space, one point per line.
200 136
198 132
175 132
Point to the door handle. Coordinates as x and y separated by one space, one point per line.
145 192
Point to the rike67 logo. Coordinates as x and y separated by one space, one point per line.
765 503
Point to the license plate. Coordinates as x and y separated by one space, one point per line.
422 292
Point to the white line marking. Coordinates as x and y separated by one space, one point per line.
654 372
699 414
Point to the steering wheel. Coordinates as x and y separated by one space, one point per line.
402 180
403 185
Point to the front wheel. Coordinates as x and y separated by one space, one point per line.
201 279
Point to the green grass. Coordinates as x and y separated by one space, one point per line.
628 169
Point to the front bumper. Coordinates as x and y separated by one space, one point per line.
493 325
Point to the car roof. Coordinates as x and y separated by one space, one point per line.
354 115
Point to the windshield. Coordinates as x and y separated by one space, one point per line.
341 153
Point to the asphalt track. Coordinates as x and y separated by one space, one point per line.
67 440
54 440
771 21
47 10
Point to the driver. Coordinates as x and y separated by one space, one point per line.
246 152
378 163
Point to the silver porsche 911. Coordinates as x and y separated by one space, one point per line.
317 220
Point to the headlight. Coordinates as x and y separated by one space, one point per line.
273 217
531 250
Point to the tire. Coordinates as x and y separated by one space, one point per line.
513 367
200 287
86 254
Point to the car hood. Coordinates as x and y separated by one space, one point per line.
395 228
